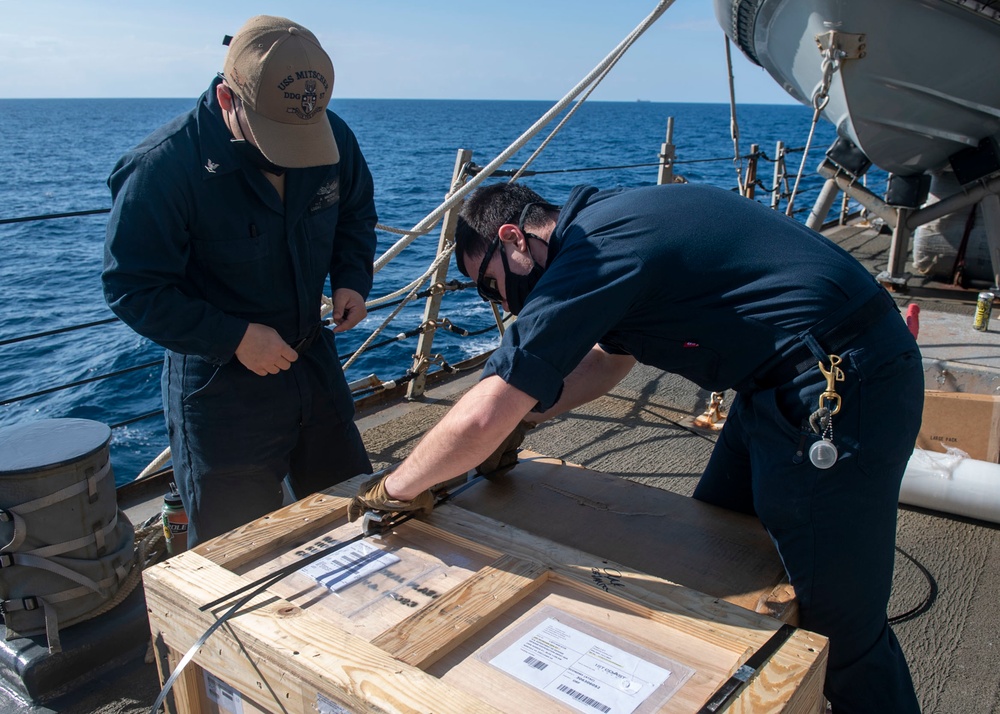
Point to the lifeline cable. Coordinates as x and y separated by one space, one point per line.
261 584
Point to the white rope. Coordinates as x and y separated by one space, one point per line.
820 98
734 127
416 283
156 464
485 173
443 256
625 45
408 237
427 223
593 77
398 231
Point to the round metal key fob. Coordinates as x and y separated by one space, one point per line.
823 454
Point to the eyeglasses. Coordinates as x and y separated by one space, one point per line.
487 287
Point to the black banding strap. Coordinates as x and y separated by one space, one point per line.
742 676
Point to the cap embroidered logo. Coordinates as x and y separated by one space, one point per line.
284 79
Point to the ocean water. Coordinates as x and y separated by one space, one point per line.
57 154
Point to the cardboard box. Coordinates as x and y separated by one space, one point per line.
464 612
970 422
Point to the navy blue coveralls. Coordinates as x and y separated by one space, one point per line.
199 245
730 294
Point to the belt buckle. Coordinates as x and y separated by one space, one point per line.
306 342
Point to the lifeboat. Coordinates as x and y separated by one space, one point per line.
911 83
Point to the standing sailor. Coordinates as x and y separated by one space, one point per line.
226 224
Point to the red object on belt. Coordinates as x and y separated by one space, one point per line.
913 319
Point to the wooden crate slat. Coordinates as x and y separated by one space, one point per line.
429 633
685 609
768 692
294 654
284 526
710 549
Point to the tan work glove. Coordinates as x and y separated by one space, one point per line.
372 496
505 457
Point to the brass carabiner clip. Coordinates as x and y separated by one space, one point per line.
833 375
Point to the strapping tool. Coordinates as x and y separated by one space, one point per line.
374 524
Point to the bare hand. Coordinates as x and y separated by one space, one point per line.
263 352
348 309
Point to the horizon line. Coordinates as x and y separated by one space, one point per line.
791 103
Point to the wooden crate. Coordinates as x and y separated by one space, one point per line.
449 625
715 551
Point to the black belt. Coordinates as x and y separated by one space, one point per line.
834 338
306 342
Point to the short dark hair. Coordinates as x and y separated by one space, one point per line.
488 208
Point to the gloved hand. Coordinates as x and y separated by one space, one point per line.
372 496
505 457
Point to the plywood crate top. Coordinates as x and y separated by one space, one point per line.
455 613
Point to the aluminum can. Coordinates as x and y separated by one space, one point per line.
175 523
984 306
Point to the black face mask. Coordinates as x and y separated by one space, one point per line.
250 153
518 287
256 157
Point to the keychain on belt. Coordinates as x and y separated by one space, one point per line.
823 454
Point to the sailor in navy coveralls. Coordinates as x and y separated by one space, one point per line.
703 283
226 224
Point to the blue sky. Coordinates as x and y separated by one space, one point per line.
434 49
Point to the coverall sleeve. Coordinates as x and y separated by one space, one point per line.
578 300
145 259
351 264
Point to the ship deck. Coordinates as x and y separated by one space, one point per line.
947 568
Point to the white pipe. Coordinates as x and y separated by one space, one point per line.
952 483
817 216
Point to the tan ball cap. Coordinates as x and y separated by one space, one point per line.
284 79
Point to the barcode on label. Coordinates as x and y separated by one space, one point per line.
536 663
584 699
222 694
